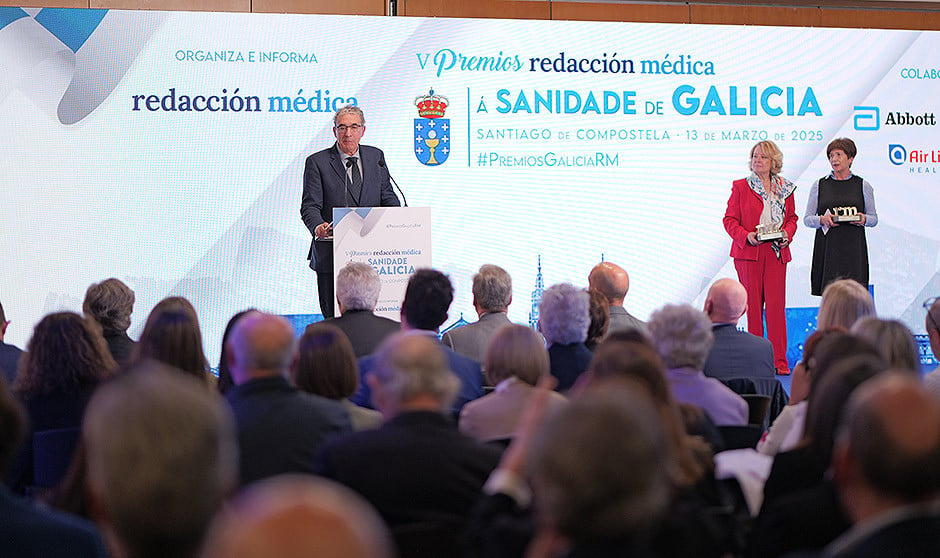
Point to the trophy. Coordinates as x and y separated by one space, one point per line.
846 215
769 232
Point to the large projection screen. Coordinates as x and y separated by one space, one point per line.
167 150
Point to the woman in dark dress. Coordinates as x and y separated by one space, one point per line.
840 250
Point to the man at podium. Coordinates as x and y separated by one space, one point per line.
345 174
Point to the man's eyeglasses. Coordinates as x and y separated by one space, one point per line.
354 127
928 304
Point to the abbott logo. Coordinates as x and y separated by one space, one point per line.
867 118
897 154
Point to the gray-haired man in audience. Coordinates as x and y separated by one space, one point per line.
357 292
492 294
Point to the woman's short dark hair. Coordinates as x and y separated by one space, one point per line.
845 145
326 364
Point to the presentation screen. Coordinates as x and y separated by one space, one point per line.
167 150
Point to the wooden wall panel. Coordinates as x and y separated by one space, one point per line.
879 19
45 3
509 9
754 15
349 7
174 5
590 11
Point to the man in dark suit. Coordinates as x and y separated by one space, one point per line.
417 467
9 354
492 294
427 298
279 427
613 282
735 354
357 292
344 175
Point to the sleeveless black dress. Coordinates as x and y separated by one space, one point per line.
841 253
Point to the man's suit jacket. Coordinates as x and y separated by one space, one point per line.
467 370
325 188
739 354
471 340
620 319
29 531
567 362
9 359
281 428
365 330
121 347
417 467
495 416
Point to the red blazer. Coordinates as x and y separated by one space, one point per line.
743 216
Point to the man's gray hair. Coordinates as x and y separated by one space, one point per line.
564 314
408 365
349 109
492 288
162 455
358 286
110 303
682 335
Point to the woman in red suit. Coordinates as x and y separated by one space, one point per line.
765 198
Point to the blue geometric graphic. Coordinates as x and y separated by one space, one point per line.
72 27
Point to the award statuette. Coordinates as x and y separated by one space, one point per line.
768 232
846 215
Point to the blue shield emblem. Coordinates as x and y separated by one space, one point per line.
432 140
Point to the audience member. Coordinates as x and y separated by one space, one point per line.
427 299
66 360
843 302
298 517
600 319
326 366
9 354
683 337
515 361
492 294
734 354
357 293
932 379
279 427
225 382
25 529
894 342
172 336
161 458
110 303
564 318
417 467
613 281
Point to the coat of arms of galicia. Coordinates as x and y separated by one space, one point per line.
432 130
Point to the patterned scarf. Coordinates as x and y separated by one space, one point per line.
783 189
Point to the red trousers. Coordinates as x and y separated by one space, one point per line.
765 280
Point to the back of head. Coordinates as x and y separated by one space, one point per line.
161 456
599 312
12 425
110 303
408 367
726 301
65 355
835 346
600 467
261 345
492 288
611 280
681 335
358 286
298 517
326 364
894 342
843 302
172 336
516 350
225 375
564 314
3 316
427 299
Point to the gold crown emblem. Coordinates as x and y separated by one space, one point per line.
431 105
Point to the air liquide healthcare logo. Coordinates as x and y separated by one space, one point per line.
432 130
917 161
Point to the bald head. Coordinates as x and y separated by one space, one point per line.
411 371
726 301
299 517
611 280
260 345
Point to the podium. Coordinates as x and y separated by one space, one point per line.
394 240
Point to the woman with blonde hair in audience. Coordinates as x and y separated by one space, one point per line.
172 336
893 340
326 366
515 360
843 302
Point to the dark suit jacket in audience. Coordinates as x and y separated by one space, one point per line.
365 330
417 467
9 359
620 319
27 531
121 347
803 520
568 362
471 340
280 429
737 354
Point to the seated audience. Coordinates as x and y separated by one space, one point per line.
613 281
843 302
172 336
110 303
357 293
515 361
161 458
932 379
682 336
492 295
423 311
9 354
326 366
600 319
225 375
564 318
894 341
279 427
734 354
298 517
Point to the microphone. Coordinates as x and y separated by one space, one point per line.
382 164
